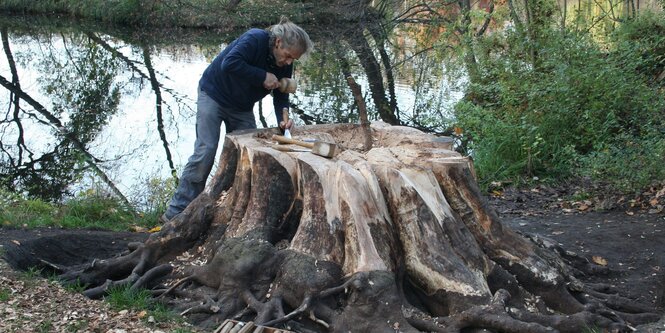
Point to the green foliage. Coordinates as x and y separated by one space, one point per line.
631 163
94 209
124 298
31 274
195 13
17 211
154 194
45 326
640 46
91 209
566 108
4 295
76 326
75 287
593 329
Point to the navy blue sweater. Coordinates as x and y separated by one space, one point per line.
235 77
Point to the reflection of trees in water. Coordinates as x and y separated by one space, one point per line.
81 75
380 48
81 89
85 87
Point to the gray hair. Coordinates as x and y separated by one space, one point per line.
293 37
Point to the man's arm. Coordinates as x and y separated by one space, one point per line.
236 61
280 101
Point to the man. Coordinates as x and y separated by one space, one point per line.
243 73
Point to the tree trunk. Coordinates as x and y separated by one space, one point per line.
397 238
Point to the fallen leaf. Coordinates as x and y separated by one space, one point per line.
599 260
136 228
155 229
582 207
660 193
16 242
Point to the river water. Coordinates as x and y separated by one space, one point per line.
129 98
125 99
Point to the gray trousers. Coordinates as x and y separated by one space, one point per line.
209 118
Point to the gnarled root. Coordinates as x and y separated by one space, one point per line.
139 268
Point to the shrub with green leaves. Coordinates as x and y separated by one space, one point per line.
569 109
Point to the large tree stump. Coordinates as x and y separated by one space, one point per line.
397 238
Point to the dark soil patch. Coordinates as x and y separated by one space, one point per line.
626 235
49 248
632 247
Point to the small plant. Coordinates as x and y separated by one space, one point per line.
75 287
76 326
592 330
4 295
581 195
161 313
32 273
123 298
45 326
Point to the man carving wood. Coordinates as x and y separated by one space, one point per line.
247 70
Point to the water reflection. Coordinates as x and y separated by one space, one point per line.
88 103
117 109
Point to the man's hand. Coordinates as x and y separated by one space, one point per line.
286 124
271 81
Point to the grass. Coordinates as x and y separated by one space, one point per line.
124 298
31 274
119 298
77 326
89 210
45 326
4 295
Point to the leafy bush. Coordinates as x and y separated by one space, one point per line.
639 45
570 109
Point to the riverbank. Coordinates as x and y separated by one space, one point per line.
218 15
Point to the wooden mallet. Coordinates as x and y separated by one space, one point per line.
287 85
320 148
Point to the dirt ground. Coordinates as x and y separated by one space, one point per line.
629 239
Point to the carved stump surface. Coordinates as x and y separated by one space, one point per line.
394 238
